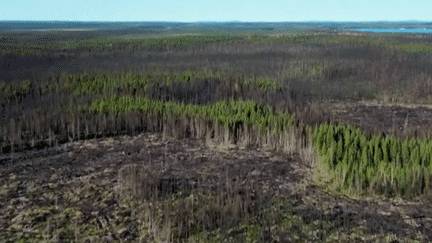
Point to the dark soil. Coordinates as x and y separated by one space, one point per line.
78 184
385 118
84 175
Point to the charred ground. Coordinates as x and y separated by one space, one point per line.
81 191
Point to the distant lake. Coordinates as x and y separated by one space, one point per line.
401 30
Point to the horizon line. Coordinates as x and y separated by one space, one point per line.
215 21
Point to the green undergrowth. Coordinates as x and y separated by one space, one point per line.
100 82
114 43
136 42
232 114
304 68
260 83
376 40
174 39
23 49
354 163
14 88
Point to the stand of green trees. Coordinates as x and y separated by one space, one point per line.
231 114
377 164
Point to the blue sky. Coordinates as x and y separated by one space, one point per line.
222 10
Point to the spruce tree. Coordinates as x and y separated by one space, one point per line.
428 156
364 161
415 157
340 150
405 153
347 137
333 152
377 151
385 149
329 137
353 164
346 167
395 151
316 137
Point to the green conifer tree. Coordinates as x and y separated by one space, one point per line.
316 136
340 150
329 137
347 137
364 161
428 156
394 151
334 159
405 153
377 151
340 135
346 167
385 149
405 175
370 175
415 157
353 164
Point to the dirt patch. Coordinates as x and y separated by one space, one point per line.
44 192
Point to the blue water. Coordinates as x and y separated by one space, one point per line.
414 31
